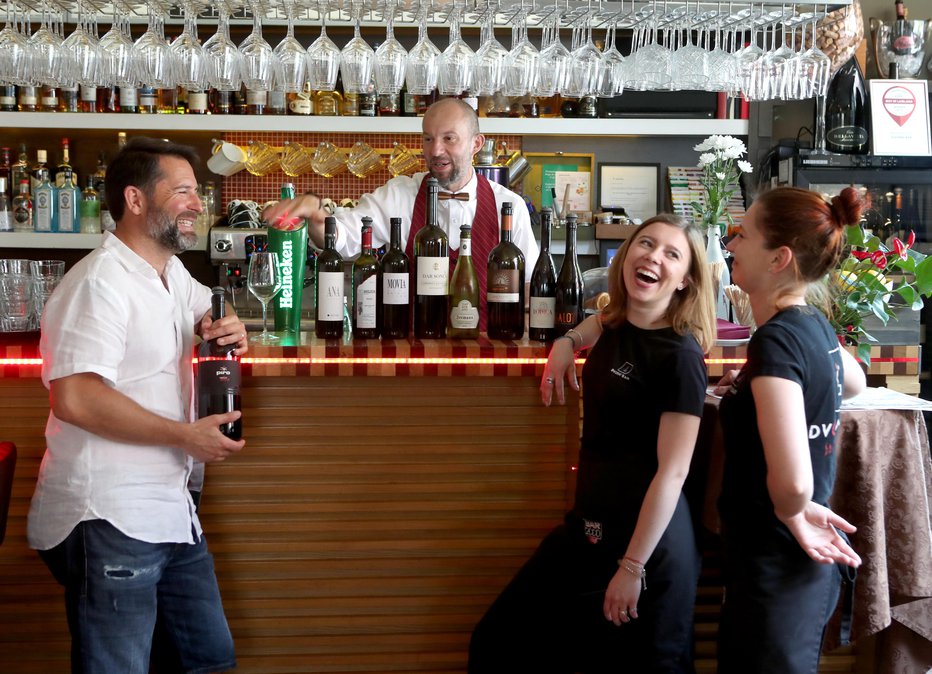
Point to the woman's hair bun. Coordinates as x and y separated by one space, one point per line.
846 207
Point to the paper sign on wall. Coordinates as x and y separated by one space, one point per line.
900 117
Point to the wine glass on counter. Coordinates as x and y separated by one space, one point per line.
264 280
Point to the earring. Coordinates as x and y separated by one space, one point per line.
680 286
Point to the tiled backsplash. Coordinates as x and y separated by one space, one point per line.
244 185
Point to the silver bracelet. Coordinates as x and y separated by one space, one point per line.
575 332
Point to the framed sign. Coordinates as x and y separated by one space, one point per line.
634 187
900 117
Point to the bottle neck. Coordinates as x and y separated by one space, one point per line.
571 240
330 241
506 228
367 242
465 246
396 236
545 235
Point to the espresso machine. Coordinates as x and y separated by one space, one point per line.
230 249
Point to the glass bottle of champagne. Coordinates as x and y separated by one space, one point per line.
569 296
847 111
329 286
432 265
218 375
464 292
543 286
366 288
505 280
395 301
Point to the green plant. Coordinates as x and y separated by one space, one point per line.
874 279
721 169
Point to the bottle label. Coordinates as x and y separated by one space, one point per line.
22 216
217 376
542 312
395 288
88 94
43 211
433 276
6 223
300 106
903 44
366 302
330 296
847 136
464 316
197 101
65 211
7 100
503 286
465 247
256 97
128 97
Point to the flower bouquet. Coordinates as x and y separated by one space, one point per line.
721 169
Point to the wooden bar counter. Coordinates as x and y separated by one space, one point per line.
386 493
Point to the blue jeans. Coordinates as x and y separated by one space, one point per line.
115 586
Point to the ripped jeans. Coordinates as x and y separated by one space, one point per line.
115 586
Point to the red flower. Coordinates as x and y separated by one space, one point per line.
879 259
900 248
911 240
860 254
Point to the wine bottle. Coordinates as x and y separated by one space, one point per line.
432 264
329 286
218 375
366 288
505 279
464 292
543 286
395 300
569 295
847 115
902 41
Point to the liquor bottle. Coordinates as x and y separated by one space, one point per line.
27 99
68 99
327 103
299 103
64 164
329 286
256 102
90 208
277 104
68 206
89 99
45 205
366 288
543 288
847 115
432 269
148 100
350 105
40 165
197 102
6 166
19 171
587 107
505 281
239 101
22 208
394 275
569 296
221 102
108 99
902 41
369 101
6 218
100 177
48 98
218 375
389 105
7 98
166 101
129 100
464 292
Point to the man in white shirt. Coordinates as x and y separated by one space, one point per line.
112 516
450 140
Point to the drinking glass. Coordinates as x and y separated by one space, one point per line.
16 292
610 79
689 64
119 67
46 275
363 160
224 60
260 64
390 58
521 66
650 68
489 62
402 161
423 60
84 52
323 58
553 61
152 54
723 66
15 52
264 280
814 64
357 58
456 61
188 53
295 159
292 57
746 58
49 56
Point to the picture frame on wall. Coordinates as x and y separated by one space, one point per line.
635 187
900 118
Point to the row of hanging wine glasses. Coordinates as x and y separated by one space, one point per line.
689 47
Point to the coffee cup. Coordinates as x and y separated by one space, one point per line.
227 158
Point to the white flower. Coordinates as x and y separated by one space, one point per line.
704 145
731 153
720 176
745 166
706 159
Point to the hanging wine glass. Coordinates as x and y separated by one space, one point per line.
188 53
152 54
15 52
390 58
553 62
582 74
260 65
690 62
423 60
357 58
48 53
84 49
292 56
521 66
610 80
650 69
723 67
489 62
746 58
116 45
456 61
224 60
323 58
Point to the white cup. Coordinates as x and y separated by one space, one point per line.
227 159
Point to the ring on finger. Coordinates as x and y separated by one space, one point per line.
549 380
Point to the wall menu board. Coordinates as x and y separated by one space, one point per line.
551 172
633 187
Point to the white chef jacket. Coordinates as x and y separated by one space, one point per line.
395 199
113 316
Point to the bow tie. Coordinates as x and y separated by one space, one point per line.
459 196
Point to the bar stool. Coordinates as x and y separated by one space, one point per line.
7 465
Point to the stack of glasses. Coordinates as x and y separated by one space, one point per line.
25 286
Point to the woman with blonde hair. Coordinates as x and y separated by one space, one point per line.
613 588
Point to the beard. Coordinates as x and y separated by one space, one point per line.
165 230
454 177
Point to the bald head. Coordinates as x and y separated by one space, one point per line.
451 110
450 139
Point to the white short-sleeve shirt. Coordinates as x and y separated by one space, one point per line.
113 315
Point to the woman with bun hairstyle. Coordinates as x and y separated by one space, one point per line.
783 547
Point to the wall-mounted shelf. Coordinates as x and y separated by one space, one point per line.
63 241
357 125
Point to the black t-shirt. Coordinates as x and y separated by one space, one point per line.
630 378
796 344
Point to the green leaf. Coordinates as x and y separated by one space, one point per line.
909 294
864 353
854 235
924 277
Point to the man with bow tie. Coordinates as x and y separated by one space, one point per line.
450 140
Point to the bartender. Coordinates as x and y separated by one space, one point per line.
450 140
